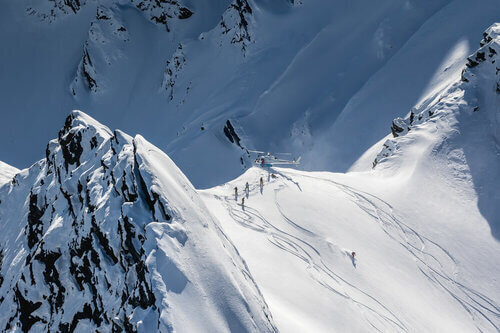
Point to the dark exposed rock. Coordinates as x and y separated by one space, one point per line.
1 263
103 241
238 12
492 51
25 308
231 134
71 148
480 56
35 225
462 76
73 4
471 63
398 127
85 313
101 15
51 276
163 11
88 70
184 13
93 142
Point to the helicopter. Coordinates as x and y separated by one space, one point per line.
268 160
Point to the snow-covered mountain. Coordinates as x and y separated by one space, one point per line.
392 224
423 221
306 77
107 234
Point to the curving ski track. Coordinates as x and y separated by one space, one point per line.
376 314
434 262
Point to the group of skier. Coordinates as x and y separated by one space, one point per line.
247 191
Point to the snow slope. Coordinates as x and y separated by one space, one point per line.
7 172
425 260
423 221
306 77
106 233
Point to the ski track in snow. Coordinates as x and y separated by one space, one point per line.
433 261
377 315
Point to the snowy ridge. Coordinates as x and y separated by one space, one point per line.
7 173
106 34
477 90
115 238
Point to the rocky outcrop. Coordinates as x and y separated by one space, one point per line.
163 12
157 11
235 23
173 68
52 10
107 35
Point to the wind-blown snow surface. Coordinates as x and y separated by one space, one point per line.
424 222
308 77
107 234
7 172
425 260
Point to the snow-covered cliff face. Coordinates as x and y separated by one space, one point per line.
107 234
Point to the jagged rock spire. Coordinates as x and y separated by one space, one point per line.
107 234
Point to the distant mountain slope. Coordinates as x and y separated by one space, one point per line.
314 78
106 233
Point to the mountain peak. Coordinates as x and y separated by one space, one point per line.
79 121
110 235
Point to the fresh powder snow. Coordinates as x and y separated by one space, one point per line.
386 112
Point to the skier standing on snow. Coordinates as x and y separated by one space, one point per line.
247 188
236 191
243 202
